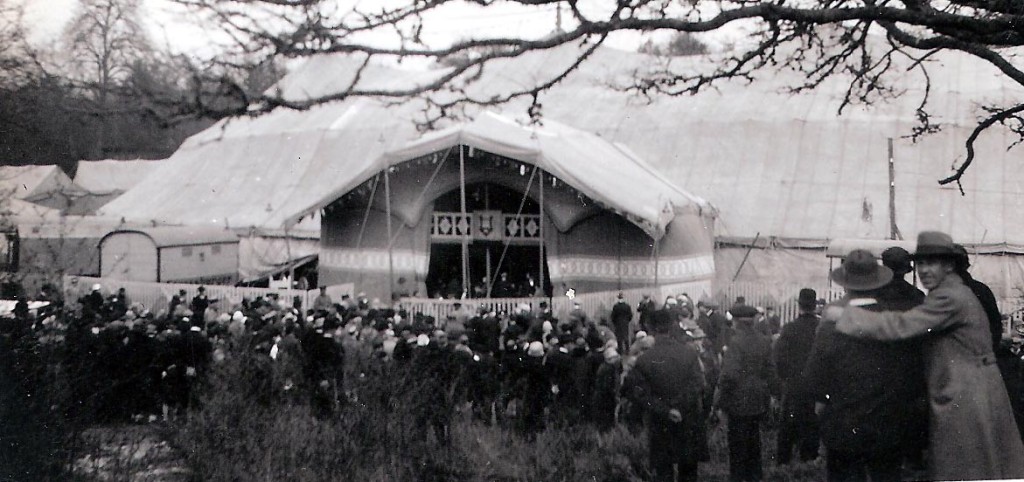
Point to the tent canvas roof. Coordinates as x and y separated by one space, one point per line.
34 182
17 210
772 163
608 173
112 176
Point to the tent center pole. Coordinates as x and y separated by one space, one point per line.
657 258
387 208
465 218
540 264
291 269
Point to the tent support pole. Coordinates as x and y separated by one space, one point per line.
540 265
291 269
487 250
387 208
657 259
462 208
894 230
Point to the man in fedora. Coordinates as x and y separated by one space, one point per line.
799 427
899 294
972 434
666 381
865 393
745 387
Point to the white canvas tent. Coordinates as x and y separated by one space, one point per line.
782 169
40 184
111 176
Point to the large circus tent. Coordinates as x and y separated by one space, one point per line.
785 171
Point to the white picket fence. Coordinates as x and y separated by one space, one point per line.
442 308
155 296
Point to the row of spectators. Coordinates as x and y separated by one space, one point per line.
526 368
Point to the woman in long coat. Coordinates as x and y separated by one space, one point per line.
972 431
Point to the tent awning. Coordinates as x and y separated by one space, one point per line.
608 173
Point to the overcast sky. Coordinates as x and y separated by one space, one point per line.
170 25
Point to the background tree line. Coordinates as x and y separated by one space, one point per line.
104 89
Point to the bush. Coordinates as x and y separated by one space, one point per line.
36 439
247 427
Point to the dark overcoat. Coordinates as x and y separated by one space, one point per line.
748 376
667 377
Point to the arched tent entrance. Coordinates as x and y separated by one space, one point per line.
605 220
506 256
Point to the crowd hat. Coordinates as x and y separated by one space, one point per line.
897 259
535 349
743 312
861 272
963 260
807 298
934 244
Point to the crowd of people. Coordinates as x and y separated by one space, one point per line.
886 379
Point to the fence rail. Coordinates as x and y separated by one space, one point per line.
782 297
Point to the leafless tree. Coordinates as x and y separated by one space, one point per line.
18 60
819 38
104 40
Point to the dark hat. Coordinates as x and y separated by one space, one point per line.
662 319
963 260
861 272
897 259
807 298
933 244
743 311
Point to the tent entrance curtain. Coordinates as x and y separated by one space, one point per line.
522 267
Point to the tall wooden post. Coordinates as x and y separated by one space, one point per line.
894 231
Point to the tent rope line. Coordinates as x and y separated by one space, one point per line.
519 212
366 217
423 192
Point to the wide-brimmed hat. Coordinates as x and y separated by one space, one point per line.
861 272
934 244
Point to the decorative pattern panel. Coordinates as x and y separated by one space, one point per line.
374 260
671 270
486 226
522 227
451 225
